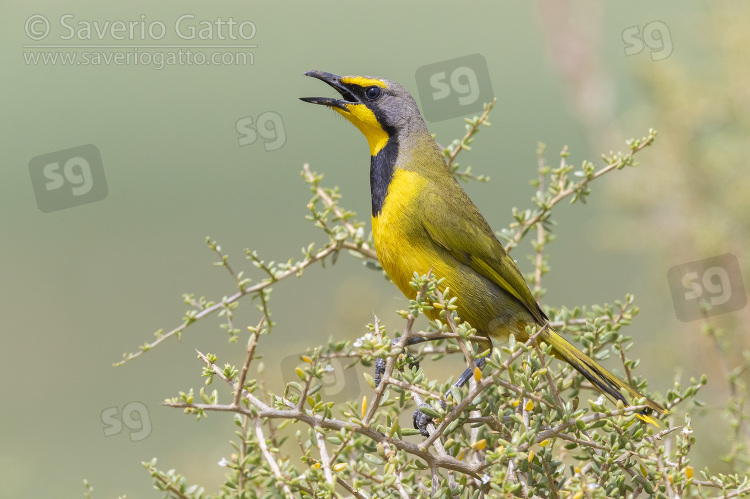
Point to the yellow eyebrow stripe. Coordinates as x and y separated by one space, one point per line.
362 82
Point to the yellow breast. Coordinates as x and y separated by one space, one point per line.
400 241
404 247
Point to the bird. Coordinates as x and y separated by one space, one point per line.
424 222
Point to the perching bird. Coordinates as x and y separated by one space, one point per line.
423 221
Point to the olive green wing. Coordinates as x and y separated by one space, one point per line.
453 222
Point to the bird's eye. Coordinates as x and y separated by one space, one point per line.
372 93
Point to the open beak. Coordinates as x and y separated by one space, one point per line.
334 81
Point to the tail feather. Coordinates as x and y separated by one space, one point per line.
606 382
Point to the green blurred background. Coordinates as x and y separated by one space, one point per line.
82 285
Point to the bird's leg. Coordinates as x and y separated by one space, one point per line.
380 363
421 420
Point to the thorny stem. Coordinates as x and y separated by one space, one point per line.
390 362
527 224
262 413
473 129
540 239
267 454
231 299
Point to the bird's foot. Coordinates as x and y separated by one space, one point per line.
380 365
379 371
422 420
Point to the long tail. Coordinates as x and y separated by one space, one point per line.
605 381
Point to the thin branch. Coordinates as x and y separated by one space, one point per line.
390 362
365 248
356 493
231 299
473 129
576 187
263 411
325 461
252 344
269 458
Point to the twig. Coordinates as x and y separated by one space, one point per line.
350 489
269 458
325 461
252 344
470 133
328 250
263 411
365 248
526 224
390 362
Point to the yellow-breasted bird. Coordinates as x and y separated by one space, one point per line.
423 221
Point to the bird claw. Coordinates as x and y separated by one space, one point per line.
379 371
422 420
380 365
414 364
